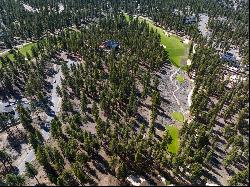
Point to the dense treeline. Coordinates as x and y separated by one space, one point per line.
48 18
107 88
18 22
220 123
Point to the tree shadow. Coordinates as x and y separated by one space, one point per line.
230 171
162 114
165 100
100 167
215 162
17 141
211 177
213 170
141 120
91 171
103 161
220 151
159 126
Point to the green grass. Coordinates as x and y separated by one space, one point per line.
174 133
178 116
174 46
180 79
23 50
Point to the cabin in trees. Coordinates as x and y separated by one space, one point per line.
190 20
230 59
110 44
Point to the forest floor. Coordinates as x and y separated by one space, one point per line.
174 98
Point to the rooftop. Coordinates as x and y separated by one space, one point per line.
110 44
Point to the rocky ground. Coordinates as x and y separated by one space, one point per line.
174 94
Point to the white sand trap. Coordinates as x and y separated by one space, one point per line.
166 33
135 180
186 41
163 46
189 62
190 97
29 8
162 179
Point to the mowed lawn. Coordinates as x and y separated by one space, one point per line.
24 50
174 46
178 116
180 79
174 133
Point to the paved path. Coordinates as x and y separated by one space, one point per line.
56 100
30 156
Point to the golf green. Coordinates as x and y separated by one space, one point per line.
174 133
180 79
176 49
178 116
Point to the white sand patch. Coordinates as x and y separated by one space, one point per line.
194 48
29 8
208 184
163 46
61 7
135 180
189 62
186 41
162 179
190 97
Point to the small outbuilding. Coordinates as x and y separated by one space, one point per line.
190 20
110 44
230 59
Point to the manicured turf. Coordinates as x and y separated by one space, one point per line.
174 46
178 116
180 78
174 133
23 50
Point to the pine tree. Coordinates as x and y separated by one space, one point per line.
31 171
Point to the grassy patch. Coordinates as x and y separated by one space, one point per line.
126 16
178 116
174 133
24 50
174 46
180 79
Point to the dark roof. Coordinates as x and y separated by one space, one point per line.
111 43
229 54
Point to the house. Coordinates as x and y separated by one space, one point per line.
190 20
227 56
230 58
110 44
